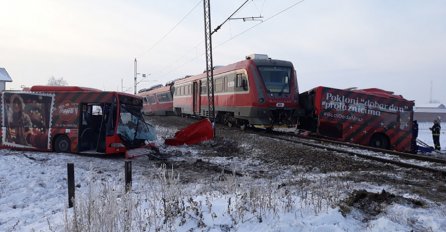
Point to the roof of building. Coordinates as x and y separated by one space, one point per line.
4 76
430 110
431 106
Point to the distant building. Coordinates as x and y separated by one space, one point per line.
429 112
4 77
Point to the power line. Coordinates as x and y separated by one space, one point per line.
215 30
171 30
219 26
266 20
237 35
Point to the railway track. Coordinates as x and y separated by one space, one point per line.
401 159
406 160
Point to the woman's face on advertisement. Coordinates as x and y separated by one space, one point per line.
16 106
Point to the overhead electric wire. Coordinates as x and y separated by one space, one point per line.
171 30
266 20
215 30
237 35
219 26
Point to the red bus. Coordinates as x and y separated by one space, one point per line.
371 117
157 100
73 119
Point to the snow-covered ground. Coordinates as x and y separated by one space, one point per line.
33 197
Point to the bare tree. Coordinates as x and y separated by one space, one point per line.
57 81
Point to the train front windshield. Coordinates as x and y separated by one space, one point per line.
132 128
276 79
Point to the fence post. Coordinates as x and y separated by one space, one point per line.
128 175
70 180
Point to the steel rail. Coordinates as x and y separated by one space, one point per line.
352 153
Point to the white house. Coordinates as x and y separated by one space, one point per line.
429 112
4 77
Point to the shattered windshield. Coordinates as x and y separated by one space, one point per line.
276 79
132 126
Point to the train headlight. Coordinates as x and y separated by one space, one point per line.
261 100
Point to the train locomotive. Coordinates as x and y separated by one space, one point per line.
258 91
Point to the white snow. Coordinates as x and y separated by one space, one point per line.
33 197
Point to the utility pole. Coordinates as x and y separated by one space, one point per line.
209 62
136 64
430 94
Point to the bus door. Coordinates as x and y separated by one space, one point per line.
92 127
196 97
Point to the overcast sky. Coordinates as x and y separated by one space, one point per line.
396 45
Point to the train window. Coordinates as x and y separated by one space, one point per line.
241 82
238 80
204 87
219 85
164 97
151 99
276 78
230 83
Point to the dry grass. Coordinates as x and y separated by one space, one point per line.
165 204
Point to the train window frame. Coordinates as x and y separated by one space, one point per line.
241 83
270 81
203 86
238 80
151 99
219 85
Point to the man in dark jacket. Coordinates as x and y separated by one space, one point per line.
436 134
414 136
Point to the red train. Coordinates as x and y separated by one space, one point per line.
157 100
371 117
263 92
257 91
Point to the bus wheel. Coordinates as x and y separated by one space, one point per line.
379 141
62 144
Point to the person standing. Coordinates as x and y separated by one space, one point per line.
414 136
436 134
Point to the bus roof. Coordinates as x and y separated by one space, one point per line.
49 88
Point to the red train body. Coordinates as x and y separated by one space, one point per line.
259 92
370 117
157 100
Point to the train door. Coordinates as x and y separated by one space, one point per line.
196 97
